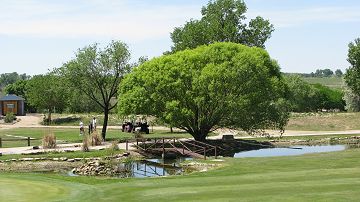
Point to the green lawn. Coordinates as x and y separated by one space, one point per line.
314 177
72 135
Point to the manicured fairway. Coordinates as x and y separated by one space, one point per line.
316 177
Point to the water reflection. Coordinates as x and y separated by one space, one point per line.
290 151
152 168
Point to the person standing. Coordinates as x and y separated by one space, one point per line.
94 124
90 128
81 128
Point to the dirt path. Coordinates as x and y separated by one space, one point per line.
28 121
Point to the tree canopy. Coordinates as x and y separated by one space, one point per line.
47 92
222 21
352 76
97 74
201 90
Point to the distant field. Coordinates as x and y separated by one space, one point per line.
324 121
332 82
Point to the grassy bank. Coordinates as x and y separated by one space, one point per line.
72 135
69 155
313 177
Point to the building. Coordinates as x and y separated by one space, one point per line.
12 103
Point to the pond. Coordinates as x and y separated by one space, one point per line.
166 167
289 151
160 167
153 168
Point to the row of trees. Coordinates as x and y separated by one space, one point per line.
10 78
327 73
320 73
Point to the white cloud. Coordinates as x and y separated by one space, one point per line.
95 18
291 18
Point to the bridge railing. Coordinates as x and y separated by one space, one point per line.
187 146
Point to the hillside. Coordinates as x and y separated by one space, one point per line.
332 82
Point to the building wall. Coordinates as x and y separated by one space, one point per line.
10 106
21 108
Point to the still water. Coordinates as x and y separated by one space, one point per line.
290 151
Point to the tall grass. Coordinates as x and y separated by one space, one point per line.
49 141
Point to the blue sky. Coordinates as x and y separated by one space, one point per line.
37 35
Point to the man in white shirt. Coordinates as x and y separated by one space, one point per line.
94 123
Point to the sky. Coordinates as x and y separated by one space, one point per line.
39 35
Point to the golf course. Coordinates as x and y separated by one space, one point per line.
332 176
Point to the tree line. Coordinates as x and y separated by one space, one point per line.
320 73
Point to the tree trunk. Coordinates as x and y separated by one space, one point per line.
49 118
106 118
201 138
198 136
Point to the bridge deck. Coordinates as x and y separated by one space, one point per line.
180 150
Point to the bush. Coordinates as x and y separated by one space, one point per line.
10 117
96 139
114 146
49 141
85 145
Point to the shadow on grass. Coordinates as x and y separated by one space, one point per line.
65 120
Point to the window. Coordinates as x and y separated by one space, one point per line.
10 106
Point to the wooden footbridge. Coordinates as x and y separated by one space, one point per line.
185 147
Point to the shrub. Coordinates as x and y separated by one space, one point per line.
10 117
96 139
138 135
114 146
85 145
49 141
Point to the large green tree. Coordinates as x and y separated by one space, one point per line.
47 92
97 73
222 21
210 87
352 76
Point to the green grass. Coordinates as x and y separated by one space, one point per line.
332 82
313 177
72 135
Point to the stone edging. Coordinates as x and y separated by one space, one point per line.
64 159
